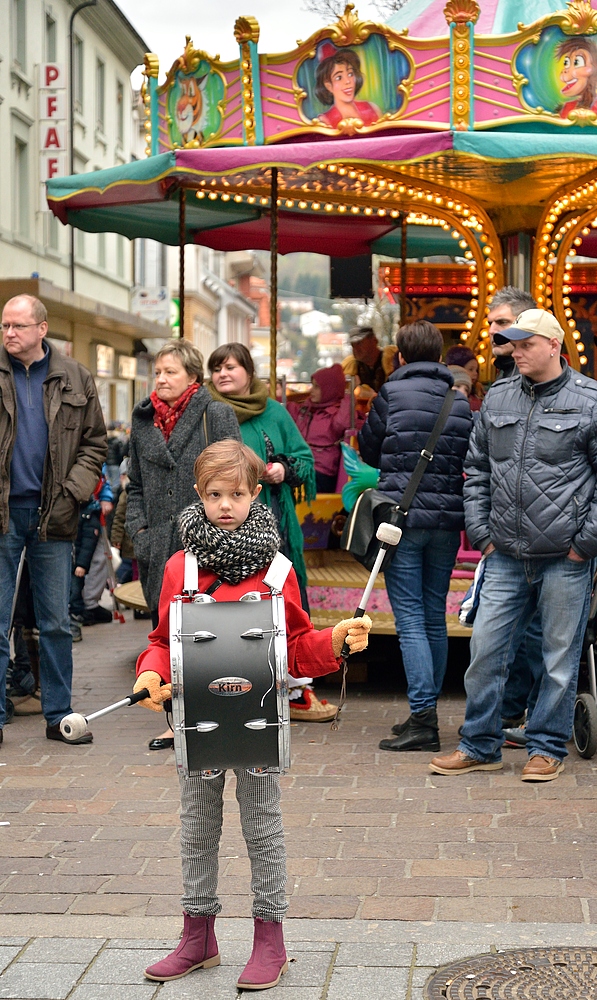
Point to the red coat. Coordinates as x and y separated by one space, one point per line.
310 652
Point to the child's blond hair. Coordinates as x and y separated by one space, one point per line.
229 460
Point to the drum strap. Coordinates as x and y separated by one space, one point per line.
191 576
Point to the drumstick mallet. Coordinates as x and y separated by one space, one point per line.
74 726
389 536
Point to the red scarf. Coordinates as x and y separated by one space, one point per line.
166 417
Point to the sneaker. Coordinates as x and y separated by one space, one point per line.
97 616
514 723
29 704
515 738
308 708
75 631
540 768
459 763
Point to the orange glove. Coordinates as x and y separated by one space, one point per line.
355 631
158 691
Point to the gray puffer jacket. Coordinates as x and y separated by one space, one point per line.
162 480
531 468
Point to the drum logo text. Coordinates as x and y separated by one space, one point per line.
230 686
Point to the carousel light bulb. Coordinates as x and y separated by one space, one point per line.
487 251
238 197
580 346
480 359
468 324
464 336
576 335
213 195
540 300
289 203
315 206
264 201
491 275
225 197
484 334
341 208
250 199
302 204
328 207
491 288
368 211
463 244
201 194
571 324
577 241
355 209
583 359
394 213
567 312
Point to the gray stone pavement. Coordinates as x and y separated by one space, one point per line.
392 870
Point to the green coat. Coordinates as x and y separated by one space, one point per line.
277 425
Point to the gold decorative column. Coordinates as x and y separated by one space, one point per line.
148 96
461 15
246 32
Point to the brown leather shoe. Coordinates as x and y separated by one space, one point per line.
459 763
541 768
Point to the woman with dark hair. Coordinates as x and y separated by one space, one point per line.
465 358
270 431
417 580
169 430
338 79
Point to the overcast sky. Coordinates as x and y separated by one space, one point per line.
163 24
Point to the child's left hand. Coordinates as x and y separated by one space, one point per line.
355 631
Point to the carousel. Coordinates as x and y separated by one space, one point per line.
453 130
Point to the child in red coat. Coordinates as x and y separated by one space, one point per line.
235 539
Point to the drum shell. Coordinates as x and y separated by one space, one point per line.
260 662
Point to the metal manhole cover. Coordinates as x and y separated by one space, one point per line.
525 974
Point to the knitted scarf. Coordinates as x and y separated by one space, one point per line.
166 417
245 407
232 555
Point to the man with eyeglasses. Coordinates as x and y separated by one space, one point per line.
52 445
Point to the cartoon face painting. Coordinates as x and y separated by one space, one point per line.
578 74
190 108
338 80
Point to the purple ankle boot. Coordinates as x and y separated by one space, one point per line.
198 949
268 959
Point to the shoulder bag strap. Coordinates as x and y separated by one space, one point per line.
427 453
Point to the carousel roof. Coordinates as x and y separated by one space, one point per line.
426 19
228 188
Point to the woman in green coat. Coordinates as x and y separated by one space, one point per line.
268 429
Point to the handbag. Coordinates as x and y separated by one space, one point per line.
373 506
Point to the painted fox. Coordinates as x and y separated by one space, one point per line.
190 107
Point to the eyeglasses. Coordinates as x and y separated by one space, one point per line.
18 327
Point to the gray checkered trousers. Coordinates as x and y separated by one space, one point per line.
258 798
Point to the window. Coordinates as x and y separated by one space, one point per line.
21 188
50 39
19 33
78 73
100 95
119 113
101 249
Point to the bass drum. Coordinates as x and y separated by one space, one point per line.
229 685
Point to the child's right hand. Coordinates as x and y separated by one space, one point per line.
158 692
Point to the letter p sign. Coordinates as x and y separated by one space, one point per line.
51 76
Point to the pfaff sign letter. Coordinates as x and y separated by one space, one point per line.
52 76
52 106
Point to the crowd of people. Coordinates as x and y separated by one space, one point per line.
213 471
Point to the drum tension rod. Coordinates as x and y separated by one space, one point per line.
199 636
259 633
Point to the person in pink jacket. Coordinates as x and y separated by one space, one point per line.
322 420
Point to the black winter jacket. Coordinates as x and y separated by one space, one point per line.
532 468
397 429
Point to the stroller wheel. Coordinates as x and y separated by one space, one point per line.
10 710
585 725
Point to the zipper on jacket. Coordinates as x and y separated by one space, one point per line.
519 483
28 379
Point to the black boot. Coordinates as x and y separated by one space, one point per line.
419 732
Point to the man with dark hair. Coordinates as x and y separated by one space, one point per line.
52 443
417 580
505 308
531 507
368 362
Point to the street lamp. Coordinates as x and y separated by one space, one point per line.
71 120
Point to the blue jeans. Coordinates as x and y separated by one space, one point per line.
417 581
525 673
513 591
50 566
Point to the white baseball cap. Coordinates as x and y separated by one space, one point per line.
532 323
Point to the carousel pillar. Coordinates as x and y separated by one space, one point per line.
461 16
246 32
182 206
149 93
273 303
403 247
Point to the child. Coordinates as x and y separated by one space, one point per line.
235 539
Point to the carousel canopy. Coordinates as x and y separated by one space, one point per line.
500 170
426 18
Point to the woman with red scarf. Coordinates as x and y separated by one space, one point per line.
169 430
322 420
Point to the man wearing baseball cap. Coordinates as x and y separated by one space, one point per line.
368 361
530 506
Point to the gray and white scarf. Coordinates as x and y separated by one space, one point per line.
231 555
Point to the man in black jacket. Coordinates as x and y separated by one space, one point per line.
506 306
531 508
417 580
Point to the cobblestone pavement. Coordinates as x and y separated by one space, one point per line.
392 870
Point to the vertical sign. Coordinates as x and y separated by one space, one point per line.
52 124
